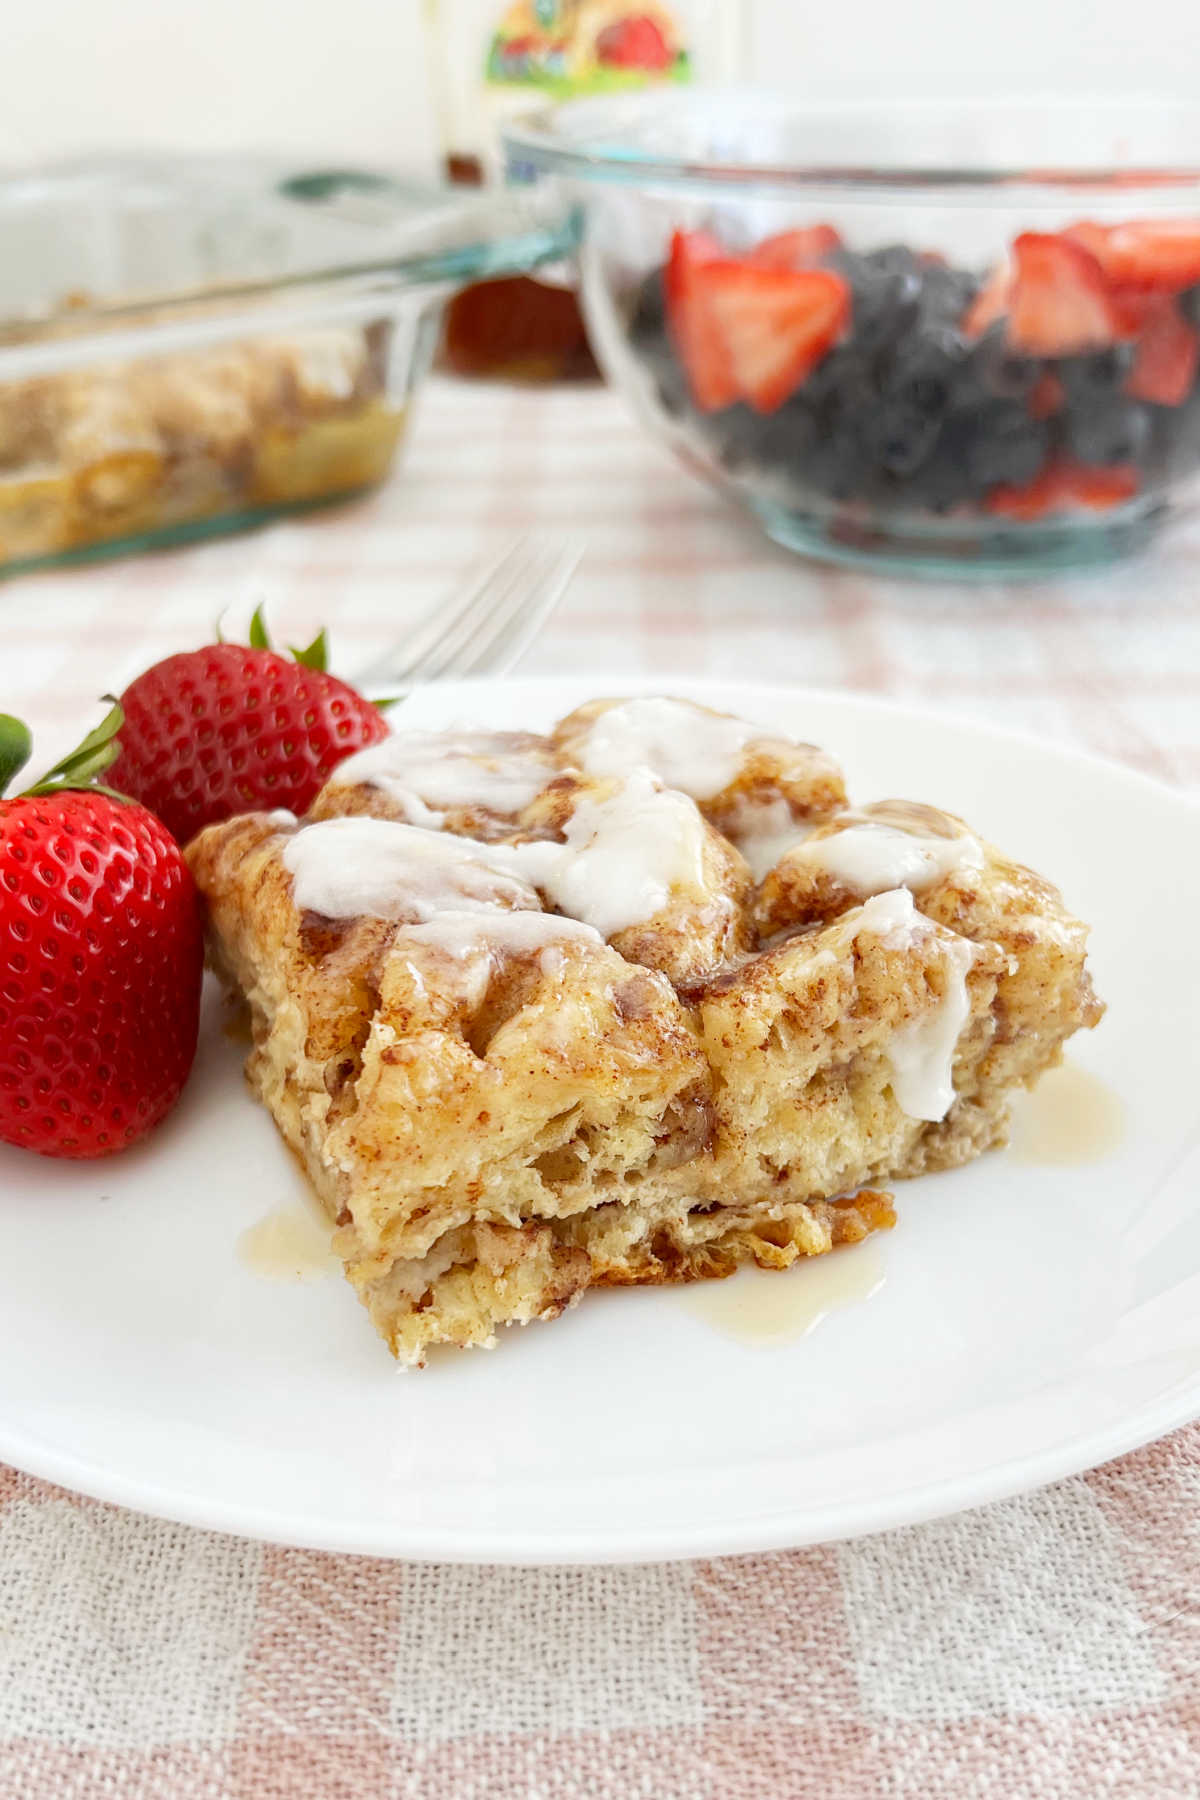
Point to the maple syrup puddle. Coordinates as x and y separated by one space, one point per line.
1070 1117
765 1307
290 1244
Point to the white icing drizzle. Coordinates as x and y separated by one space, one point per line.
344 868
474 940
450 768
921 1051
870 858
892 918
413 808
465 933
687 748
623 855
765 831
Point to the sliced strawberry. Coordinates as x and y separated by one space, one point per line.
990 303
805 248
1159 255
1047 396
775 324
691 247
1134 308
1060 304
1097 489
1065 486
1032 500
1167 357
1093 237
702 351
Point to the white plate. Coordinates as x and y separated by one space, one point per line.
1031 1320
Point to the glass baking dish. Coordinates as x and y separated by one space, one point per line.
193 345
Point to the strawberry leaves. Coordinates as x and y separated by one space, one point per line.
315 656
78 769
16 747
81 766
312 656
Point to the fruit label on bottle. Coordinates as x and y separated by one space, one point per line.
569 47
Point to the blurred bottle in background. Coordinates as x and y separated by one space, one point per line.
491 61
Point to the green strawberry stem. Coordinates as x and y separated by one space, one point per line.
16 746
316 656
312 656
78 769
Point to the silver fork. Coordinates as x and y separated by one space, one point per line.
489 628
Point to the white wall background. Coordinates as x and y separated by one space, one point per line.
347 76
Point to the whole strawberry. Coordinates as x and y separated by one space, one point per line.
234 728
101 957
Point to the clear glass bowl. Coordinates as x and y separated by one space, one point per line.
941 338
193 345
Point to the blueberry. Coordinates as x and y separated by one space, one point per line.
734 436
1176 450
925 369
1107 431
784 438
946 293
1003 444
821 448
669 377
671 390
648 322
774 442
1095 377
943 481
884 300
837 447
649 340
918 292
996 371
899 436
842 381
893 259
834 467
887 312
850 263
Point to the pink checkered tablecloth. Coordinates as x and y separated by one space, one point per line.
1046 1647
